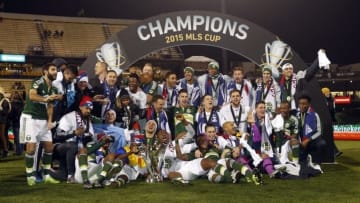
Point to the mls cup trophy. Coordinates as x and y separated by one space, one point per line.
110 53
275 54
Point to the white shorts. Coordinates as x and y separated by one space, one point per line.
33 130
93 170
192 169
130 172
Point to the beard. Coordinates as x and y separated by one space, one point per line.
51 77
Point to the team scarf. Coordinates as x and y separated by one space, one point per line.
171 100
110 92
260 136
266 94
194 95
214 119
244 90
287 91
82 123
160 118
309 127
220 89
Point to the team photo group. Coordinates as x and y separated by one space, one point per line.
110 129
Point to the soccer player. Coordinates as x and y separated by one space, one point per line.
243 85
214 83
290 83
286 128
268 91
78 126
207 114
156 112
169 89
235 112
309 130
36 122
190 84
148 85
183 108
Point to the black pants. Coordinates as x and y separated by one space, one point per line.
314 147
65 153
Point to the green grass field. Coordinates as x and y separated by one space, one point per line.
339 183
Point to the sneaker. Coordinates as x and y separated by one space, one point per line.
50 180
180 180
235 176
31 180
87 185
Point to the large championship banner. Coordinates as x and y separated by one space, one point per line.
209 29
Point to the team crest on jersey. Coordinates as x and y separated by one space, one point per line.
188 110
151 91
27 137
287 125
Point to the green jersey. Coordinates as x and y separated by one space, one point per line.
189 114
38 110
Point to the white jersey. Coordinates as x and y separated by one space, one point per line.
246 89
170 162
229 113
138 98
68 124
230 143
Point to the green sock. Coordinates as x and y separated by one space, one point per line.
107 166
47 158
244 170
29 162
118 163
223 171
295 151
83 167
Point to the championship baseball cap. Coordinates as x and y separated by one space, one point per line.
86 101
214 64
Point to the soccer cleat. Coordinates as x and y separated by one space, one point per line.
87 185
31 180
118 183
50 180
113 171
277 172
257 177
180 180
71 180
235 176
98 185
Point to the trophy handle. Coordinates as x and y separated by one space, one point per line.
267 56
285 55
99 56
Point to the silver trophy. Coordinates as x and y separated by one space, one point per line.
275 54
110 53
